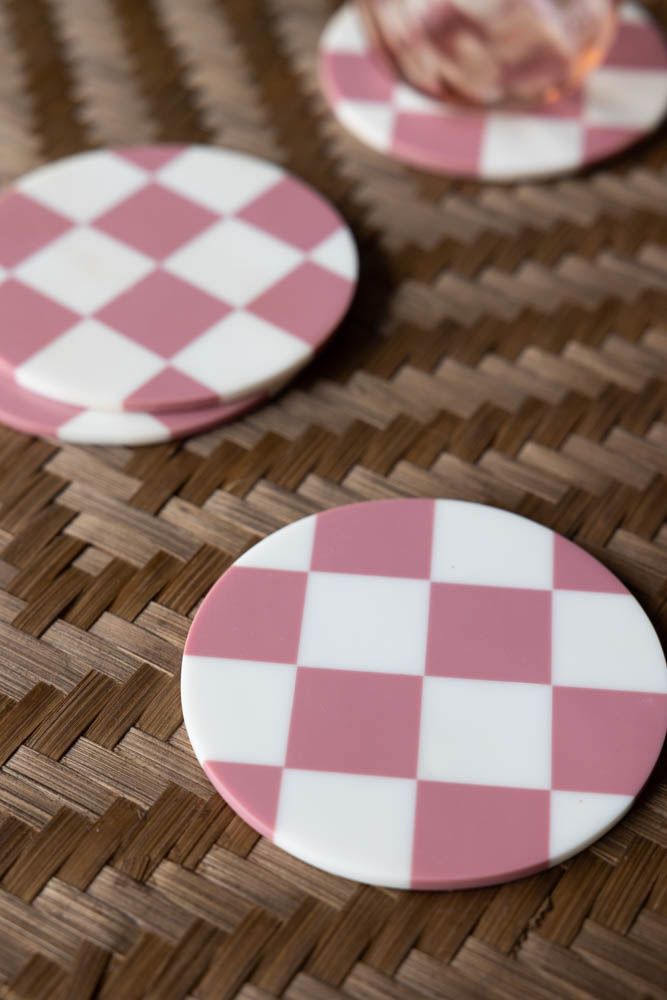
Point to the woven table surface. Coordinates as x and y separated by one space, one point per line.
505 346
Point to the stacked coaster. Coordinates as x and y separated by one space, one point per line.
621 102
146 293
426 694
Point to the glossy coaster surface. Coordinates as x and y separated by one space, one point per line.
32 414
426 694
621 102
166 277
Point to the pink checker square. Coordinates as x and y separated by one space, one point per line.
33 319
601 142
424 136
170 393
636 47
25 227
155 221
292 212
258 617
575 569
387 538
253 790
163 313
355 723
489 633
569 106
151 157
359 77
602 740
474 835
306 303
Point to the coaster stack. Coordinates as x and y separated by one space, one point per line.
150 292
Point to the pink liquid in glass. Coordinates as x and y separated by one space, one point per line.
493 52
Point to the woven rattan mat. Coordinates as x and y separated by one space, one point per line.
506 346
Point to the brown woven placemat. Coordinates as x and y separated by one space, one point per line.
506 345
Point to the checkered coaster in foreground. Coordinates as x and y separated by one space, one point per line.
424 693
164 277
620 101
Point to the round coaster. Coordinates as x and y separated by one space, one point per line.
425 694
621 102
166 277
32 414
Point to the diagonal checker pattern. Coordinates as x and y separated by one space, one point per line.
433 694
166 277
621 101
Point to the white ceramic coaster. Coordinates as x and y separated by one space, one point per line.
32 414
166 277
426 694
621 102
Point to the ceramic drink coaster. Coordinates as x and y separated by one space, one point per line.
621 102
32 414
426 694
166 277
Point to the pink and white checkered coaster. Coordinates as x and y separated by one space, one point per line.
423 693
621 102
32 414
166 277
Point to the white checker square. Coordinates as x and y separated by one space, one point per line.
604 641
337 253
485 733
291 548
220 180
241 349
224 695
474 544
625 98
85 186
406 98
84 269
357 826
93 427
342 33
91 363
631 13
366 623
510 139
579 818
373 119
217 261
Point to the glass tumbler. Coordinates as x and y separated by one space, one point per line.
493 52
